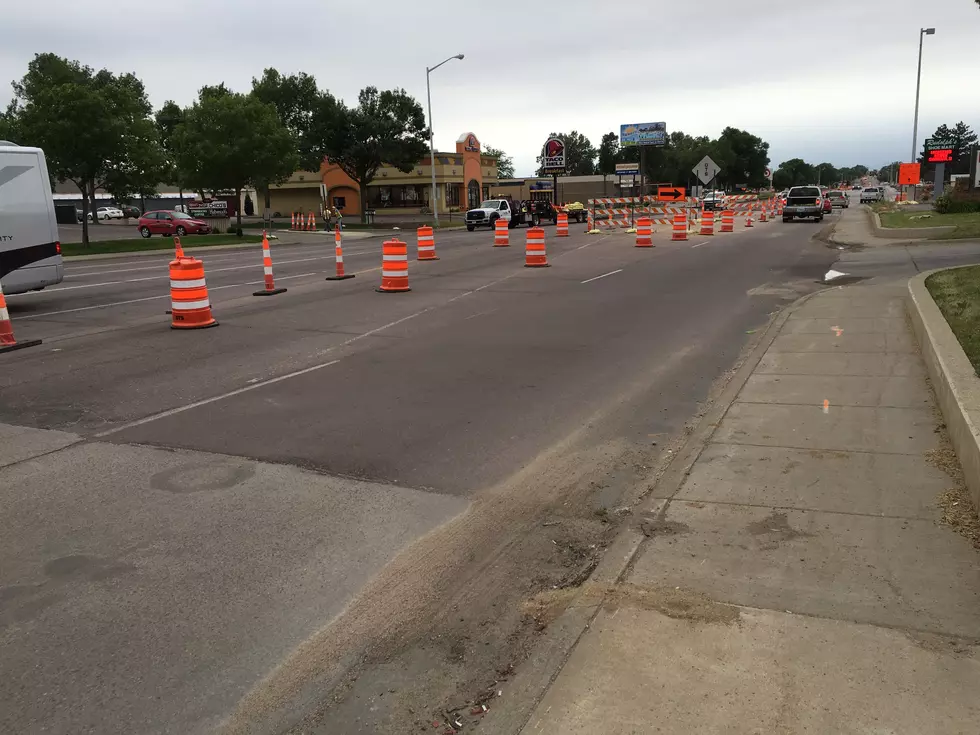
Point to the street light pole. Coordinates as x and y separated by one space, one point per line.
918 83
432 146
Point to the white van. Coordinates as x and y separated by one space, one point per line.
30 251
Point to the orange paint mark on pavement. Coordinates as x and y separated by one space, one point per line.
826 406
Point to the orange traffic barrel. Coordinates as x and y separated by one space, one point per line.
189 304
501 234
728 221
426 244
394 266
644 233
679 226
534 252
270 283
338 249
7 341
561 225
708 223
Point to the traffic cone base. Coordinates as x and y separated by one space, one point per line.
19 345
7 341
339 278
273 292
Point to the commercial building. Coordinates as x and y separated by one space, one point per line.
463 179
570 188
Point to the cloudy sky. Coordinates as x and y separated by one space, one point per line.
826 80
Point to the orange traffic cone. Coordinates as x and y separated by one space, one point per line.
339 257
394 266
189 302
426 244
7 341
534 252
270 283
748 219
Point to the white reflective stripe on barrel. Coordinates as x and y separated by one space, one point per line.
396 274
188 305
195 283
390 258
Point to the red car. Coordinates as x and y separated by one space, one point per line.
168 224
828 206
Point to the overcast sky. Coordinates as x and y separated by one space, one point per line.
828 80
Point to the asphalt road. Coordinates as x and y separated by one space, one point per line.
189 507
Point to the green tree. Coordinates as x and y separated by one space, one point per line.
825 174
794 172
580 154
608 154
386 127
228 141
963 138
93 126
750 157
167 119
505 164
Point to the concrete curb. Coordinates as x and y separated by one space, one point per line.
906 233
953 378
538 673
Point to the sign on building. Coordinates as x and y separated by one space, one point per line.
654 133
553 157
627 168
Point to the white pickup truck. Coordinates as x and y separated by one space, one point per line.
489 211
870 194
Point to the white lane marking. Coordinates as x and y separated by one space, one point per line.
152 298
481 313
206 401
260 384
90 285
700 244
610 273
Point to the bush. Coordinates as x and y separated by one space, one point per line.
941 204
946 205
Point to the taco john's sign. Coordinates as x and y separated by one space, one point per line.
553 155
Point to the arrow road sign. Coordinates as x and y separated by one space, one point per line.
706 170
670 193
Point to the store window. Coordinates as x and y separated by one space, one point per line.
411 195
473 194
340 202
452 195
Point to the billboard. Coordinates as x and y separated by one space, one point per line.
643 134
553 156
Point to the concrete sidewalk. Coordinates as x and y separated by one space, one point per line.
853 229
799 579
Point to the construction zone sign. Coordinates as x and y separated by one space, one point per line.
553 155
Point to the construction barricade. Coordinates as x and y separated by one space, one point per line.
190 307
270 283
561 225
338 248
501 234
644 233
426 244
679 226
535 255
727 221
708 223
7 341
394 266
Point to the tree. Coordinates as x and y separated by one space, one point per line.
963 138
385 128
93 126
750 157
505 164
167 119
794 172
826 173
228 141
580 154
608 153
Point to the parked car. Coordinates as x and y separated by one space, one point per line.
107 213
131 212
838 198
169 223
870 194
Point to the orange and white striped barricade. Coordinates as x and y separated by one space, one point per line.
189 304
708 222
501 234
561 225
394 266
338 249
644 233
679 232
727 221
7 341
748 218
426 244
270 283
535 255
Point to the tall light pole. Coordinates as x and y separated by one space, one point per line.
918 82
432 146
